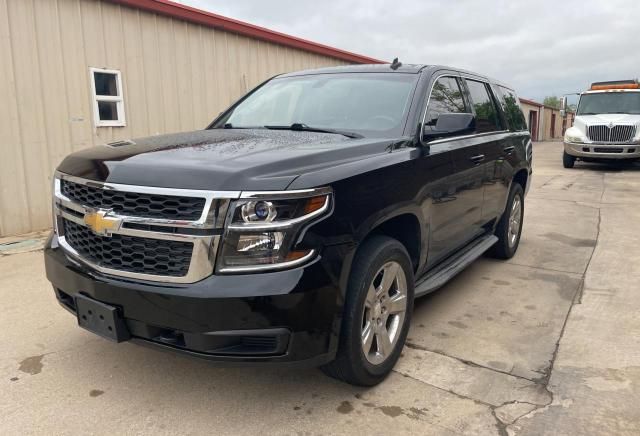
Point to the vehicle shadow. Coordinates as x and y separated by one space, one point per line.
99 365
165 393
608 166
116 367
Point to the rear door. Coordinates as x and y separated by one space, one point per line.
492 142
513 146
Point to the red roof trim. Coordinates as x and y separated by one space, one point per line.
182 12
530 102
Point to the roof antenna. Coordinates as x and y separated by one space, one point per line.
396 64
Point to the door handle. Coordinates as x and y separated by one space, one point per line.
509 150
477 159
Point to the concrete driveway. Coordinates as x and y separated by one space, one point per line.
547 343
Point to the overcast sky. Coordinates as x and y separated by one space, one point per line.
540 47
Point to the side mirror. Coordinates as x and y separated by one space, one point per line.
450 124
563 107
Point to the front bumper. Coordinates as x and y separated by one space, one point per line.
279 317
602 151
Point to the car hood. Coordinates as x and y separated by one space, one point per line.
607 119
218 159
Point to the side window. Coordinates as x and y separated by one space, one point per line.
486 112
446 97
512 110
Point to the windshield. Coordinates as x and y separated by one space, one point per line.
369 104
609 103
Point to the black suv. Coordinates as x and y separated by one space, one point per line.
301 224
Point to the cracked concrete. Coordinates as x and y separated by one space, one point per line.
546 343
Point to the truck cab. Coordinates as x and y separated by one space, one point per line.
606 126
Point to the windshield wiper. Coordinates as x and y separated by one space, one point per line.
301 127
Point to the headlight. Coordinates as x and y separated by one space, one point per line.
264 229
577 139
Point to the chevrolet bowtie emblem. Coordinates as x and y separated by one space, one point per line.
100 223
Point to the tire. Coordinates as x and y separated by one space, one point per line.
378 256
508 242
567 160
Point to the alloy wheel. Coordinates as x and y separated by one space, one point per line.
385 308
515 219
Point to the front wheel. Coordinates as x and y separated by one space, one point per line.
378 308
567 160
509 227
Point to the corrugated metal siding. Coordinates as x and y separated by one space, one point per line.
176 76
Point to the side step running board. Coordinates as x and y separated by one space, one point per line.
452 266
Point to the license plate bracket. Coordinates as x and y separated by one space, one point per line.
101 319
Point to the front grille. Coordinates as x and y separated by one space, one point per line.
615 134
130 253
135 204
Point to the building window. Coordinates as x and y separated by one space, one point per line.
108 101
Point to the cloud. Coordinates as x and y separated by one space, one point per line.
541 48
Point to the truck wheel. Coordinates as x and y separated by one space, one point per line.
567 160
509 227
377 313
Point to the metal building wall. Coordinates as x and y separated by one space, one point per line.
176 76
558 133
526 109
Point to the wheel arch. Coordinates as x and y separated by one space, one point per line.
406 229
522 178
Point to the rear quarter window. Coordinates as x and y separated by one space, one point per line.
512 110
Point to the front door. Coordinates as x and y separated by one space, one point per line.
456 206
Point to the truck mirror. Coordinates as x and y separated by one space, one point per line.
563 107
450 124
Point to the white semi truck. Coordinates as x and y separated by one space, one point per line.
607 123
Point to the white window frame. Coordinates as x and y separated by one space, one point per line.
118 99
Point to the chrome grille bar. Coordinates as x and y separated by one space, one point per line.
201 232
617 134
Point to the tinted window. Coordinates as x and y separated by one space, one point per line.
486 113
446 97
371 104
512 110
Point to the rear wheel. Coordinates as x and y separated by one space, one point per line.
509 227
378 308
567 160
